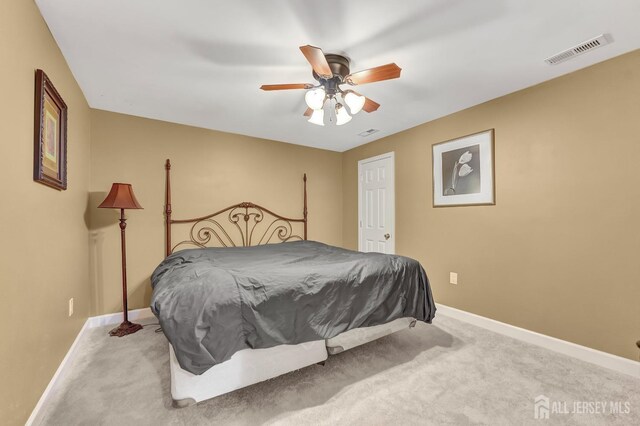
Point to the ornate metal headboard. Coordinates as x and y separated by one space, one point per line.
243 224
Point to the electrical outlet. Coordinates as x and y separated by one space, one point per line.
71 306
453 277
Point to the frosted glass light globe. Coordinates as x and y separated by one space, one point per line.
317 117
342 116
315 98
355 102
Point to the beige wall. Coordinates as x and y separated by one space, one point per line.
558 253
43 255
211 170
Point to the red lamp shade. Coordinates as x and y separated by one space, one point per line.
120 197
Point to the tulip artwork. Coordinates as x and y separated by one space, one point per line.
461 168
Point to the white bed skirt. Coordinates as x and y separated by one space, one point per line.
250 366
360 336
245 368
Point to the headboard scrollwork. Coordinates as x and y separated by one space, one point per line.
240 225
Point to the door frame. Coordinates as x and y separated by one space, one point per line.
391 155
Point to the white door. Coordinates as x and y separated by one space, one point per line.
376 204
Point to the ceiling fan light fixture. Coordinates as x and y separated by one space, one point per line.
342 116
315 98
330 72
317 117
354 101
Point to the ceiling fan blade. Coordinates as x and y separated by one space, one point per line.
384 72
286 86
308 112
318 62
370 106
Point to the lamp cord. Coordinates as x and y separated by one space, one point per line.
157 330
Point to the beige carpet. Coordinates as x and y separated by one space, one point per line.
448 373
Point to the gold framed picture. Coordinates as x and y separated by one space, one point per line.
50 135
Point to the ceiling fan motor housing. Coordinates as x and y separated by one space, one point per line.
339 66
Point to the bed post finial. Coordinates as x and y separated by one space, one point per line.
167 208
304 212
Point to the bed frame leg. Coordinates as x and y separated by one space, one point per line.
183 403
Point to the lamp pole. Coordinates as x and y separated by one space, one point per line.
123 225
126 327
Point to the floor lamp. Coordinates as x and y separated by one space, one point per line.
121 197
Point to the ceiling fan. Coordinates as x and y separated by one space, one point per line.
331 71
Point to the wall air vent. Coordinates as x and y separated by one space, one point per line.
584 47
367 133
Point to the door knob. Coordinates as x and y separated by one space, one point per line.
387 236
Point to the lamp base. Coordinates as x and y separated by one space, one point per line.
125 328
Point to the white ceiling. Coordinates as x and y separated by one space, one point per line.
201 62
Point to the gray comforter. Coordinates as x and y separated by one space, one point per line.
214 302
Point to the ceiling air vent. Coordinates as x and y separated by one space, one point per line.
367 133
587 46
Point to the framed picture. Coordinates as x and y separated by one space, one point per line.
50 135
463 171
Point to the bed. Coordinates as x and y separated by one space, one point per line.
247 297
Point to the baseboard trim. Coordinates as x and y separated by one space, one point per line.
91 322
58 375
593 356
